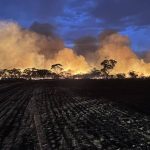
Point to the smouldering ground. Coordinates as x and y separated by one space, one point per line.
40 116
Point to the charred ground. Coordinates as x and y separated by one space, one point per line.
75 114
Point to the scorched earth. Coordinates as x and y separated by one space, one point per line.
41 115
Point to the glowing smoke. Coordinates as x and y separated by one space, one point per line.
39 47
146 56
112 45
71 61
117 47
22 48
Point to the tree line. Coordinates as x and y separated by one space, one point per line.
57 72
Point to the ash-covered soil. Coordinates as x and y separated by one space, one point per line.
74 115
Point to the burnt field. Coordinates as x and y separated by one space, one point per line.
75 114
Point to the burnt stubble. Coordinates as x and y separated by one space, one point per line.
75 114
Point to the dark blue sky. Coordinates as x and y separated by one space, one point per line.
76 18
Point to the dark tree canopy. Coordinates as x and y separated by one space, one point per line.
57 68
133 74
108 64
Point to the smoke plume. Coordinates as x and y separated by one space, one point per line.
23 48
117 47
40 47
54 44
85 45
145 56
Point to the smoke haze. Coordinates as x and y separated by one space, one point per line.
40 47
22 48
116 46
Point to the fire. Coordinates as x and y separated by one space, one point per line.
23 48
117 47
71 61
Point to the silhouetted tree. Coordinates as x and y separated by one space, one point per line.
14 73
107 66
5 73
133 74
43 73
57 68
121 76
66 74
30 73
95 73
1 73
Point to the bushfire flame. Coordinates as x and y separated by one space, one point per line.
22 48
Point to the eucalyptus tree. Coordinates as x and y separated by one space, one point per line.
108 65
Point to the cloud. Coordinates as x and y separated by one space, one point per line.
77 18
122 13
31 9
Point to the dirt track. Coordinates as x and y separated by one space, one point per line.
44 117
